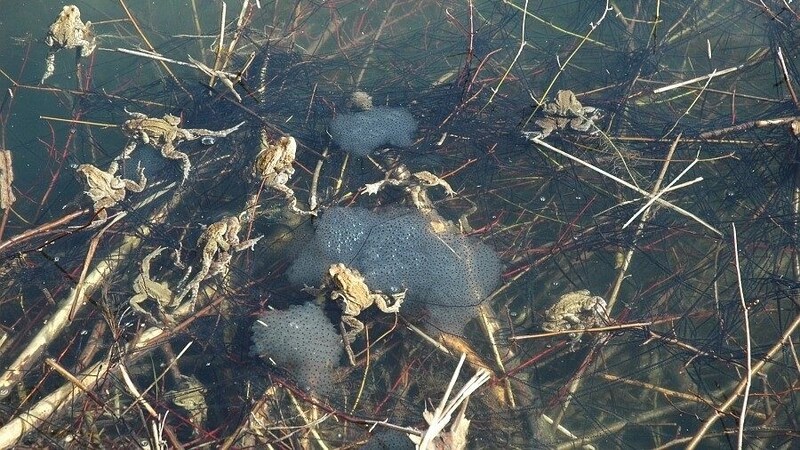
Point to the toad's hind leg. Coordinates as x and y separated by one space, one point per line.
349 336
168 151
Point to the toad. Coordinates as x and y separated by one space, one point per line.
416 184
567 113
348 288
106 189
273 166
575 311
217 243
68 31
165 134
144 288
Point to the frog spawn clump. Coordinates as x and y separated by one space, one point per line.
369 128
445 275
301 340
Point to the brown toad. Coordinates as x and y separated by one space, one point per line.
576 311
106 189
68 31
416 184
145 288
218 243
273 167
566 112
165 134
348 288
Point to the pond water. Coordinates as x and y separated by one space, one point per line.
667 186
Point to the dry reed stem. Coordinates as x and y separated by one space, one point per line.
610 328
612 429
240 26
134 391
72 379
787 79
197 28
153 55
708 77
87 261
312 194
565 431
490 328
50 227
562 66
7 197
371 51
622 274
522 43
311 425
81 122
439 418
220 41
155 381
61 317
549 23
746 126
40 413
691 105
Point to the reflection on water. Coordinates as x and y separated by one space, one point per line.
698 134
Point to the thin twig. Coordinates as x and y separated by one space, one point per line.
562 66
708 77
669 188
522 43
787 79
220 42
79 288
745 309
